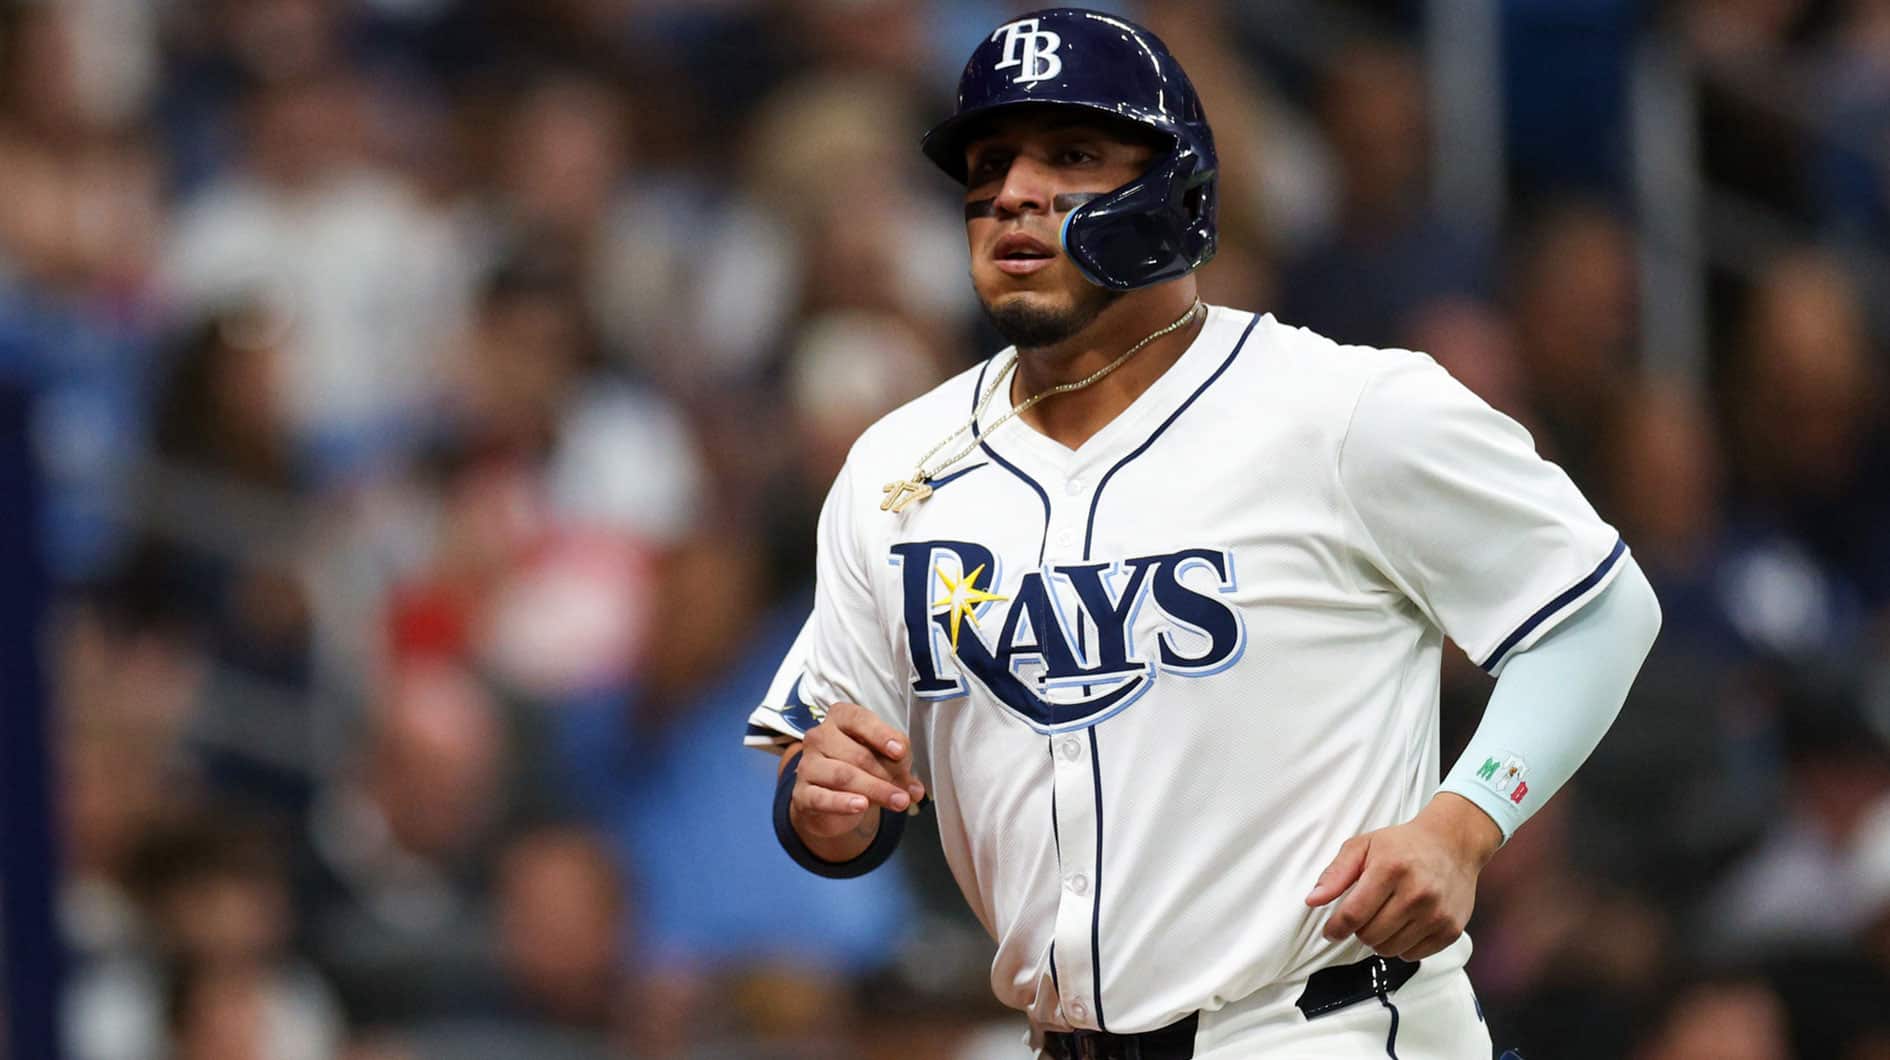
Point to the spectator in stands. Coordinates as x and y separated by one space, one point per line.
562 484
561 929
1754 144
1796 889
237 583
80 223
1808 429
399 853
367 276
218 962
1573 299
708 880
685 278
1387 254
230 1012
1729 1018
1853 97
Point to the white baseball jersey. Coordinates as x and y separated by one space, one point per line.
1153 683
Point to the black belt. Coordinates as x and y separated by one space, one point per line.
1173 1042
1327 990
1331 989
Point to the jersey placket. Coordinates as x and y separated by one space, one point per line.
1077 800
1077 836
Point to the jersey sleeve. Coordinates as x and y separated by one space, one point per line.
1495 544
784 715
842 654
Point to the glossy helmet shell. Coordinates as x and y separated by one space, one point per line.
1155 228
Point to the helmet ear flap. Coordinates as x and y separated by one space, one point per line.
1152 230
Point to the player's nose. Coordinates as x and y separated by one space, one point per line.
1026 189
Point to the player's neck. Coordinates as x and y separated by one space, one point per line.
1073 418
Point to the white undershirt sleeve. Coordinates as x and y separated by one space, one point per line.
1555 700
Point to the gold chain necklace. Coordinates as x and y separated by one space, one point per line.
915 489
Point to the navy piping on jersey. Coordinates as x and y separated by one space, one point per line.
1089 536
1056 833
1042 494
1089 533
940 483
1056 836
1391 1040
1549 609
1043 545
1095 909
772 734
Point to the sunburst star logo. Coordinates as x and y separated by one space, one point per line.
964 598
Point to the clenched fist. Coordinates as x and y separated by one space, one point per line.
852 765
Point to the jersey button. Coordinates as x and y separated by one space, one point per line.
1079 884
1074 487
1069 748
1066 539
1078 1010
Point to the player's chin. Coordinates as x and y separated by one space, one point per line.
1038 292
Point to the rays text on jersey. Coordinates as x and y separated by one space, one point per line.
1058 644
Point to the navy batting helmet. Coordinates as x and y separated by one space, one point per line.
1155 228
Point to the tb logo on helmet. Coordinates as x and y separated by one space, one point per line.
1033 49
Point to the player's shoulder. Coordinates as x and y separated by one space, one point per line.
1303 375
1301 356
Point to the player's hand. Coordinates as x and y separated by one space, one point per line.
851 762
1409 889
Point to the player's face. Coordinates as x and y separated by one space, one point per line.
1019 172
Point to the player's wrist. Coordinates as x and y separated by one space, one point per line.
857 851
837 847
1467 827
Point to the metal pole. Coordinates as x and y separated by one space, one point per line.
1664 116
1463 48
31 958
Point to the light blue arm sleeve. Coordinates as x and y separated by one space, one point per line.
1555 701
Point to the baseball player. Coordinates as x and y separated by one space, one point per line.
1150 608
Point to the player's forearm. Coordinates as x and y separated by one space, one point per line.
1555 701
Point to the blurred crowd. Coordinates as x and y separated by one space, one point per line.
434 398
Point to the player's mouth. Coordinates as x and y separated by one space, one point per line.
1020 255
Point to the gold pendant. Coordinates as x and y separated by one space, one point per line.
904 492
